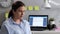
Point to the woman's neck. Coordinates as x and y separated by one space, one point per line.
18 21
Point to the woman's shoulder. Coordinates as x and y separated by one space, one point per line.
6 21
25 21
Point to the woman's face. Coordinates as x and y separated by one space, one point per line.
19 12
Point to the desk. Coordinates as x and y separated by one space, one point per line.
45 32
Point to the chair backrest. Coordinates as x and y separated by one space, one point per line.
0 31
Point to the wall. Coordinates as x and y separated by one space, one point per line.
53 12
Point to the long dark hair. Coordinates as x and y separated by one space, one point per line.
15 6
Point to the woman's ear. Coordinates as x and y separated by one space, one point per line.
13 12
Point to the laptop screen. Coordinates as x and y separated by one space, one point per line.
38 20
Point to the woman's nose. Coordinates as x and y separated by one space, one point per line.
22 13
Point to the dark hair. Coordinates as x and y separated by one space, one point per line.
15 6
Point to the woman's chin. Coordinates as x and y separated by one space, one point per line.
21 17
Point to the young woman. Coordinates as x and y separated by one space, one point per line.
15 24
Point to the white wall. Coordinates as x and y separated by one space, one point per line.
53 12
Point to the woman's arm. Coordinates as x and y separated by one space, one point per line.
6 29
28 30
3 30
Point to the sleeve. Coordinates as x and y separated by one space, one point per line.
4 30
28 30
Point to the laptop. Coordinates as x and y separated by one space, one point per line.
38 22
